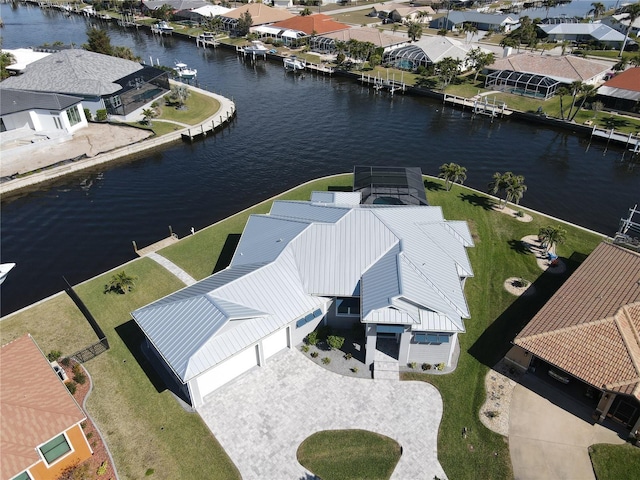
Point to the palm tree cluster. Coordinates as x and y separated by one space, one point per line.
575 89
550 236
452 173
359 51
526 33
510 184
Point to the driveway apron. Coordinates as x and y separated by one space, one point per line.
261 418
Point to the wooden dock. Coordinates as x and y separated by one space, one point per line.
320 68
154 247
211 124
479 105
378 83
630 141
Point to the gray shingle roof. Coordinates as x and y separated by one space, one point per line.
76 72
13 101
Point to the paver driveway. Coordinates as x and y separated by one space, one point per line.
261 419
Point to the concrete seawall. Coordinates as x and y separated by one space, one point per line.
219 119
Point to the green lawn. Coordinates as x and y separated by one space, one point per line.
349 455
614 462
496 317
199 107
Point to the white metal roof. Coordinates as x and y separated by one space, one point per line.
337 198
405 261
596 30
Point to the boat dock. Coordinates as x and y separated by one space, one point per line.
630 141
253 55
480 105
380 83
206 41
320 68
154 247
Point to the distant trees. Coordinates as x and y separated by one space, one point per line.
526 33
165 12
214 24
98 41
511 185
447 69
633 11
597 8
6 59
478 60
452 173
469 28
306 12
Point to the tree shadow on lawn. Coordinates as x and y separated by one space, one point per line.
477 200
226 254
496 340
161 380
433 186
519 246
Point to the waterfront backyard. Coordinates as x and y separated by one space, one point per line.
151 435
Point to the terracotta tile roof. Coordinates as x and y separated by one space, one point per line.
566 68
260 13
590 328
35 406
366 34
627 80
319 23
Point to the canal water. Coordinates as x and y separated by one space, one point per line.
289 129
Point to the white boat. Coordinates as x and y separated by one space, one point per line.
294 64
5 268
162 27
183 71
256 48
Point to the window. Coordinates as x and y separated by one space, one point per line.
22 476
73 115
431 338
304 320
54 449
348 306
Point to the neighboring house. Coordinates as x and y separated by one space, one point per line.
205 13
291 30
622 92
402 13
148 6
23 57
327 42
454 21
564 69
103 82
588 333
396 270
41 433
427 51
40 112
620 22
584 33
261 14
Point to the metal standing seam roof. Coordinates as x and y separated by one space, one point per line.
337 198
325 251
596 30
74 71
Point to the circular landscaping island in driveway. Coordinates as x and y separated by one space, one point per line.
344 454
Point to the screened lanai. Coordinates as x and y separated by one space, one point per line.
521 83
407 58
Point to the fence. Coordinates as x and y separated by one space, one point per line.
92 351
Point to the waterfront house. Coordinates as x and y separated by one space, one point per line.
622 92
149 6
261 14
41 431
402 13
114 84
454 21
327 42
588 334
427 51
603 35
620 22
295 28
203 14
394 272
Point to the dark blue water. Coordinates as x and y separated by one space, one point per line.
289 129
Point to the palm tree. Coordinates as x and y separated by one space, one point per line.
587 91
121 283
469 28
148 114
414 31
550 236
499 183
575 87
516 188
634 12
562 91
597 8
452 173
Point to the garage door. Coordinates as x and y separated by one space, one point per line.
274 343
227 371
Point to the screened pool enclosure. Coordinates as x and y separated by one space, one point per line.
519 83
407 58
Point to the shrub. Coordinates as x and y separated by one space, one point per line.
101 115
492 414
426 366
354 369
413 365
326 360
89 435
149 472
348 356
80 378
314 354
440 366
71 386
87 114
54 355
102 469
335 341
304 348
66 361
520 213
312 338
77 369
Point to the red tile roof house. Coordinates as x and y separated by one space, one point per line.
622 92
40 432
589 331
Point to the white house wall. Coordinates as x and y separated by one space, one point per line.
18 120
274 343
216 377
